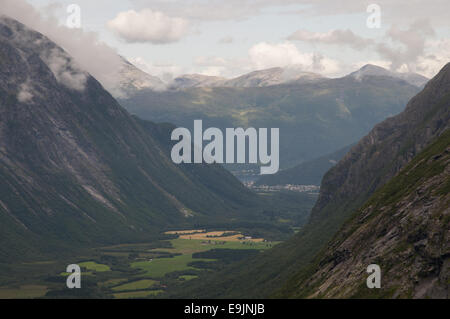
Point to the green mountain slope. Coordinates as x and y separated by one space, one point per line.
404 228
378 157
77 170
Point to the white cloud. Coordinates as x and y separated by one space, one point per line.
336 37
381 63
93 56
214 71
148 26
65 70
266 55
436 56
226 40
165 71
25 94
407 45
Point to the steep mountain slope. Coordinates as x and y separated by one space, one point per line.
77 170
308 173
315 118
369 165
404 228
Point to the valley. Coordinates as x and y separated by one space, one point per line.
113 184
128 271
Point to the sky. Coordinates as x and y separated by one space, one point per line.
228 38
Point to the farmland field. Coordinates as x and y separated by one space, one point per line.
128 271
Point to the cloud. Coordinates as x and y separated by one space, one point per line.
408 45
148 26
226 40
65 70
25 93
165 71
266 55
93 56
335 37
399 11
410 49
435 57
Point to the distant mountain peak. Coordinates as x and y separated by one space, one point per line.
196 80
272 76
133 79
375 70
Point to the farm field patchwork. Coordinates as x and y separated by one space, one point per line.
23 292
129 271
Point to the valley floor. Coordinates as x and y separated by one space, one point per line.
132 270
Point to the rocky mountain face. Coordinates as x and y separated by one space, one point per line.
77 170
368 167
387 148
379 156
404 228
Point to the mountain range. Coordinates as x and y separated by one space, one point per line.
133 78
315 115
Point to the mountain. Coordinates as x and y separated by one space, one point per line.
345 189
195 80
77 170
404 228
260 78
269 77
315 118
132 79
374 70
308 173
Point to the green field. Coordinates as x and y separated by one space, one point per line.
137 294
187 277
123 271
23 292
136 285
160 267
189 246
92 265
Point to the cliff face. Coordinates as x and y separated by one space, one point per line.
370 164
387 148
404 228
76 169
